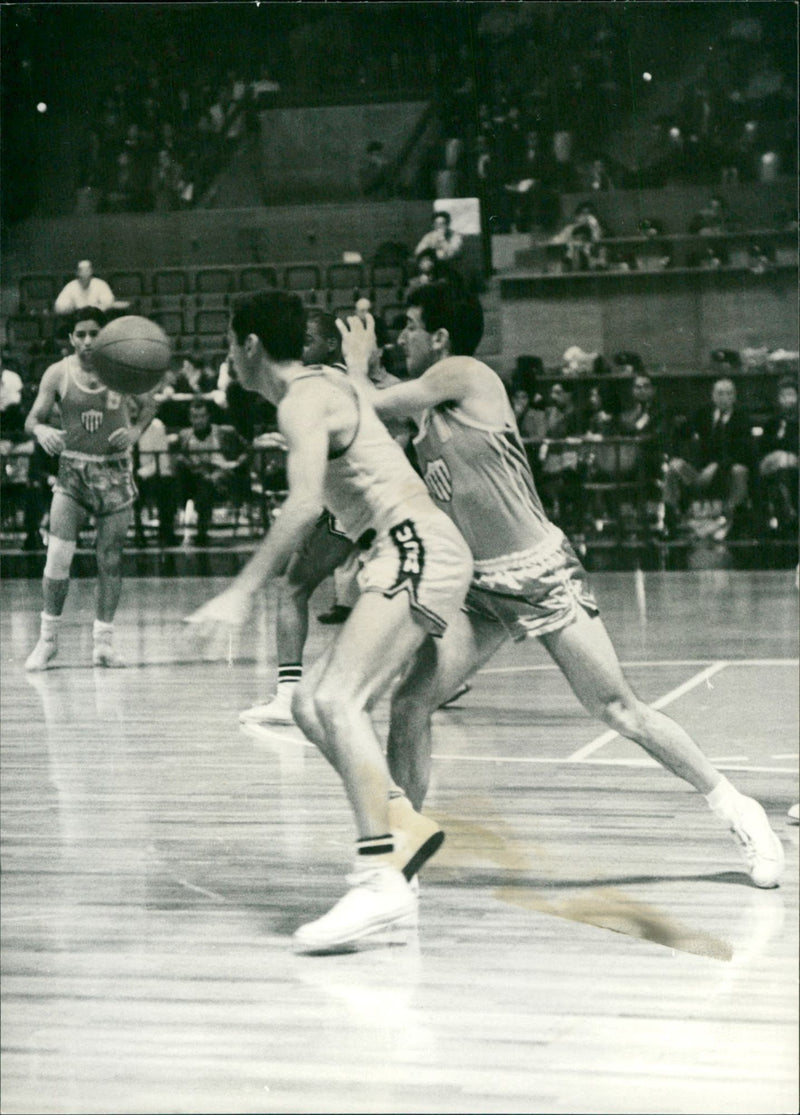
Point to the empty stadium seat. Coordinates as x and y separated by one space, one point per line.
301 277
211 322
127 284
173 281
215 280
387 276
38 292
344 276
258 278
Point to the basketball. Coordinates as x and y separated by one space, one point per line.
131 354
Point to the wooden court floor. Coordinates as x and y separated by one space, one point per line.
588 940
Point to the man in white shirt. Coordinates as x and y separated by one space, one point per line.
85 290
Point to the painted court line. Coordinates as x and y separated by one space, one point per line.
654 662
722 764
600 741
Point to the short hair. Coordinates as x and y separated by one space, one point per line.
88 313
445 306
200 401
328 329
276 317
441 213
787 382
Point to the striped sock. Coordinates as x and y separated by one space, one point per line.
289 672
375 845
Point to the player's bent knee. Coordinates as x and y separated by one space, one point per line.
625 716
59 558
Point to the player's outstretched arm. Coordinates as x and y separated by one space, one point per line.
455 379
302 420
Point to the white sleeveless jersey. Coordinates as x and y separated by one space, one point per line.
370 485
480 476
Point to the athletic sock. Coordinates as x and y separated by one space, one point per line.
289 673
49 626
370 847
723 799
102 631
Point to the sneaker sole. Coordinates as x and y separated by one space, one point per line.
430 847
400 921
286 722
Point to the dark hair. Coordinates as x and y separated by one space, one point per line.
276 317
787 381
88 313
444 306
441 213
328 329
200 401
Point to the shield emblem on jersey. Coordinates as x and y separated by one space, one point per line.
91 420
438 481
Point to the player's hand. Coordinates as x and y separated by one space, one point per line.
123 438
358 341
50 439
269 441
214 624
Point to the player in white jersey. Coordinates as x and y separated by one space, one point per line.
95 477
324 551
415 572
527 579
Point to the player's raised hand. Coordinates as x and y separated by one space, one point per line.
358 338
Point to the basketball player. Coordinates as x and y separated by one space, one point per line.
95 477
527 579
414 575
325 550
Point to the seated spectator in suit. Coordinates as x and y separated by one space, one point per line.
777 466
643 419
210 464
582 238
714 461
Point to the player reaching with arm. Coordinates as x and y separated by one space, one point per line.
527 579
416 568
95 477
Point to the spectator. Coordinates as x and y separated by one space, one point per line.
12 419
154 477
559 456
711 221
210 465
447 245
581 238
714 461
777 466
529 413
85 290
428 270
372 174
643 420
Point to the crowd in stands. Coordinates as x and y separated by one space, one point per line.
157 143
718 472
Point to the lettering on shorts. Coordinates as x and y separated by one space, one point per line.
91 420
438 480
411 553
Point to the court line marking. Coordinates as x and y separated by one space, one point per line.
606 737
643 762
654 662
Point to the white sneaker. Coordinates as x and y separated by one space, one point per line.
761 848
42 654
103 655
379 898
276 711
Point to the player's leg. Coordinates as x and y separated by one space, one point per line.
112 530
332 708
307 570
586 656
66 519
439 668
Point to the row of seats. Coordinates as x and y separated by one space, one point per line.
39 292
179 319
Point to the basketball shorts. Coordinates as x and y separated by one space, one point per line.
101 487
325 549
425 557
535 596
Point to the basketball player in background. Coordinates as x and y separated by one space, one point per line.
95 477
527 579
415 571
